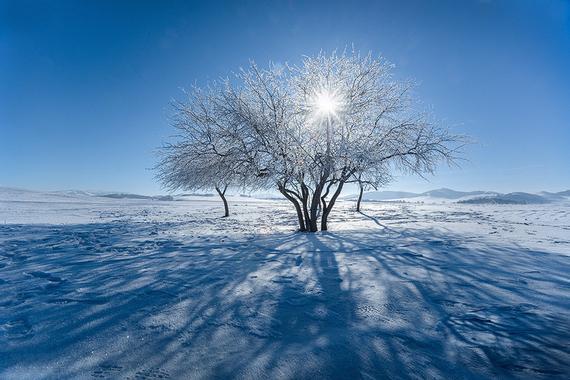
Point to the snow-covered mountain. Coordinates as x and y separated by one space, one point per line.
553 197
138 196
445 195
10 194
24 195
442 195
510 198
383 195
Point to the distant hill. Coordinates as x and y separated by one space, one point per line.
445 195
552 197
451 194
138 196
510 198
383 195
23 195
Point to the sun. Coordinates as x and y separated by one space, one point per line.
326 103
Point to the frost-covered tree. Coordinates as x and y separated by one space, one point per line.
307 130
361 180
363 122
201 158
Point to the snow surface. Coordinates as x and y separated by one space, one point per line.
96 287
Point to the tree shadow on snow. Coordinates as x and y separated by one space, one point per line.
123 300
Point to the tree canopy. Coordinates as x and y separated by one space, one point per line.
305 130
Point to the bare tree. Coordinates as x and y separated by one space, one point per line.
363 183
308 130
359 121
203 157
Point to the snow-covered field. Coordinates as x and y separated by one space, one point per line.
95 287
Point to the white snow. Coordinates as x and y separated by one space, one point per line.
97 287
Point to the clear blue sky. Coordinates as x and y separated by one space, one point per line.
85 85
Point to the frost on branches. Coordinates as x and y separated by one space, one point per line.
306 131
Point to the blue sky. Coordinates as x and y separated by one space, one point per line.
85 85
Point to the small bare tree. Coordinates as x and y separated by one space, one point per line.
202 158
364 181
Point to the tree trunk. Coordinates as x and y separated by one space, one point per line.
305 203
359 198
302 225
323 205
222 195
315 204
313 217
327 210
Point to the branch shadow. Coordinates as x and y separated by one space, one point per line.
127 300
